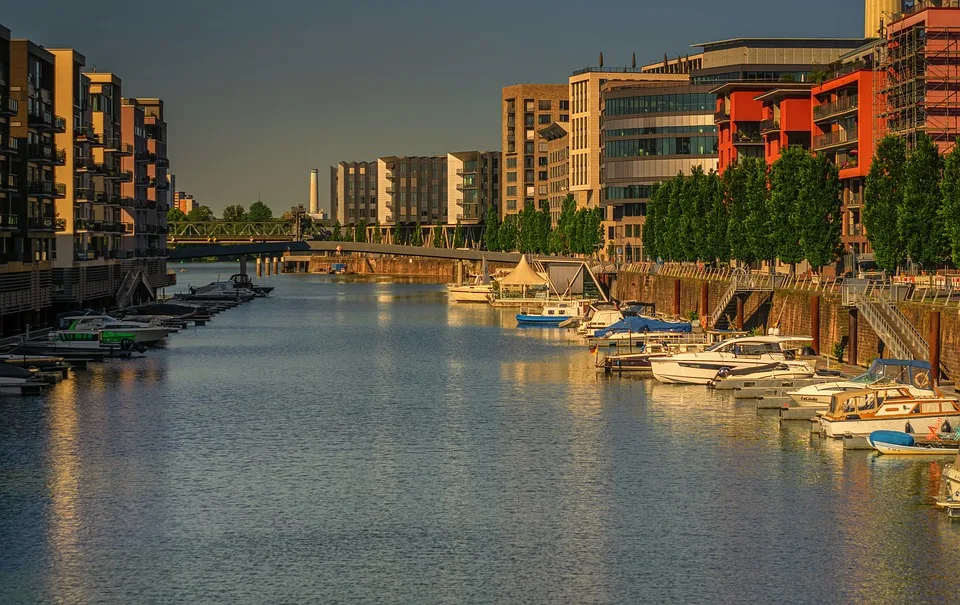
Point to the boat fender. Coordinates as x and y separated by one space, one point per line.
908 428
945 427
723 372
126 344
141 348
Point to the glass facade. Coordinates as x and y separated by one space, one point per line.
629 132
666 103
628 148
629 192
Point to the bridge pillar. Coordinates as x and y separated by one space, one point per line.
266 261
935 348
852 331
259 267
815 323
243 265
739 311
276 265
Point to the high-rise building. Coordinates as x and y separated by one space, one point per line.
877 13
558 166
184 202
353 193
412 190
473 186
586 108
526 108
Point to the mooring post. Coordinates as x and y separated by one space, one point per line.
935 348
739 312
266 261
259 267
276 265
676 297
704 299
852 331
815 323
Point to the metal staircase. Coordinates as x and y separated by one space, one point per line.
128 287
739 283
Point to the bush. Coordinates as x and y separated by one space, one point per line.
838 348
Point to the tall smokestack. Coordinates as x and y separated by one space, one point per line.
314 196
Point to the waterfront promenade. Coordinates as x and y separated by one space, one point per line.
358 439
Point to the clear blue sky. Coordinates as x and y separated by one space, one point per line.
258 93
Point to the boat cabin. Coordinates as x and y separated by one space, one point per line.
896 401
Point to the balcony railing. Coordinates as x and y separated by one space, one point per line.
125 176
60 224
125 149
9 145
831 139
41 223
721 116
86 133
59 124
83 193
9 182
9 221
840 106
9 106
747 137
82 164
770 125
163 162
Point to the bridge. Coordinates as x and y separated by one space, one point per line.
187 232
220 249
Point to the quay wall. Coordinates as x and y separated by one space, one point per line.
439 268
790 309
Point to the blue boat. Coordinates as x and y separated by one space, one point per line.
552 314
637 324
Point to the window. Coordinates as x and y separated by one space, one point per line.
528 104
543 147
542 161
542 175
544 118
542 189
564 117
511 204
528 119
511 162
512 177
528 162
530 134
511 190
511 105
544 105
564 105
528 148
511 147
528 176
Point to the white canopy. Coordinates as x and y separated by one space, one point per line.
523 275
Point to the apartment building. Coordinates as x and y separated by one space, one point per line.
412 190
557 138
651 132
586 109
524 109
353 192
184 202
473 186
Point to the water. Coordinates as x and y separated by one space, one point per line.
351 441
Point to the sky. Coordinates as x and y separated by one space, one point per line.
258 93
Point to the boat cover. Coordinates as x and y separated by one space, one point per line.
892 437
639 323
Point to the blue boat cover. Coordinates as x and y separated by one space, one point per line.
892 437
640 323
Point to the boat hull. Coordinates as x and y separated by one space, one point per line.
469 294
540 320
892 449
702 371
919 423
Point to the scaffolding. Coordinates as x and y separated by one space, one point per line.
916 79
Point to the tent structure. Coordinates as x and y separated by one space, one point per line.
523 275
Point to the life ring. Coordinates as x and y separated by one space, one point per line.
921 380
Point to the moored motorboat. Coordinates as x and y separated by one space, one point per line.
734 357
893 408
914 374
948 496
905 444
74 326
21 381
552 314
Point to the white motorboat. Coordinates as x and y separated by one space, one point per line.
913 373
19 381
786 370
894 408
477 292
108 329
750 355
599 319
948 497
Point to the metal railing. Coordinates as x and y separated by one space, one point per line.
770 125
838 137
841 105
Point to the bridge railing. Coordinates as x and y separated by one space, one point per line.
229 229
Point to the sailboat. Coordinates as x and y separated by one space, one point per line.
477 292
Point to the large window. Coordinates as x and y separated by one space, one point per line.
629 132
670 146
685 102
629 192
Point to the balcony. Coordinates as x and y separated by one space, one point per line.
9 106
768 126
46 189
83 194
835 139
163 162
837 108
85 134
124 176
9 183
9 145
59 124
126 202
390 190
747 137
163 185
84 255
9 221
124 149
40 223
142 157
60 224
41 153
82 164
721 116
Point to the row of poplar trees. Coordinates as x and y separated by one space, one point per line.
578 231
911 204
789 212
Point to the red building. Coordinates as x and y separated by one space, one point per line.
786 120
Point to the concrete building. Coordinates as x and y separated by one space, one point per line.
412 190
314 200
877 13
87 272
586 109
558 166
524 108
184 202
353 192
651 132
473 186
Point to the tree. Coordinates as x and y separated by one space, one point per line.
491 231
234 213
337 234
783 220
918 214
200 214
673 240
507 234
655 223
882 199
818 215
438 235
735 197
377 233
950 208
397 235
259 212
458 235
566 225
543 228
716 245
416 239
757 192
175 214
360 231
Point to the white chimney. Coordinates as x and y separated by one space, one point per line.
314 196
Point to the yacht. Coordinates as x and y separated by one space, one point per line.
552 314
948 497
599 319
914 374
108 329
476 292
893 408
732 357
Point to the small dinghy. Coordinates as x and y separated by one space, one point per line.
905 444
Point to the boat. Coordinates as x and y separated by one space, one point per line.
476 292
243 281
948 496
176 313
73 326
552 314
15 380
747 355
905 444
217 292
910 372
893 408
599 317
639 361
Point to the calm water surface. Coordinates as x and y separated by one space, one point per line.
348 441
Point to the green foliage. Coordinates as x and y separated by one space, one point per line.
491 232
735 198
416 239
655 223
259 212
783 220
175 214
918 214
458 235
882 199
397 235
838 348
360 232
438 235
527 229
563 242
757 192
336 233
234 213
817 217
673 240
950 208
543 228
199 214
716 247
507 234
377 233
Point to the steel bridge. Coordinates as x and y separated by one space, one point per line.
189 232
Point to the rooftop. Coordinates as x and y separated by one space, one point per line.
784 42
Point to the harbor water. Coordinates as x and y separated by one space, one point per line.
362 440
